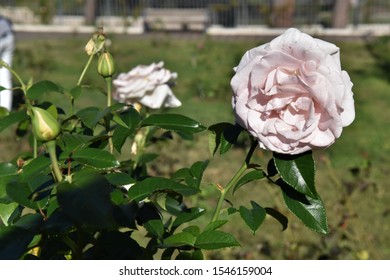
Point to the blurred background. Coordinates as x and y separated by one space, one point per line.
202 41
198 15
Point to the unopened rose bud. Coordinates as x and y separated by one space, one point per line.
44 126
95 44
106 66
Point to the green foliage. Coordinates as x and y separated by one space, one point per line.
83 195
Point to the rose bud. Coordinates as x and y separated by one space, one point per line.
96 43
44 126
106 66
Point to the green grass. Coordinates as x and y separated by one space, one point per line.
357 203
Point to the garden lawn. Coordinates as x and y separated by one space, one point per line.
351 174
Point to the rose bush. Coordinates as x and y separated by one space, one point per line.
147 85
80 195
291 93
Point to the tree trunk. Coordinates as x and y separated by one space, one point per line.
341 14
283 13
90 12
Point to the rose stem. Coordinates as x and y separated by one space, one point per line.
233 181
109 102
51 149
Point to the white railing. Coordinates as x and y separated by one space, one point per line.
198 15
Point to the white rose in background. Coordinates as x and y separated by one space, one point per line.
148 85
291 93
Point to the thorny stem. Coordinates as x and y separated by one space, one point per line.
233 181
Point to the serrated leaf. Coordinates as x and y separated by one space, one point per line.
6 211
278 216
298 171
173 122
145 188
42 87
222 136
249 177
271 169
215 225
197 170
76 91
89 116
15 239
194 230
214 239
309 210
254 217
193 175
12 118
87 199
21 193
147 157
36 166
180 239
71 142
129 118
190 255
185 217
8 171
96 158
120 136
155 228
119 179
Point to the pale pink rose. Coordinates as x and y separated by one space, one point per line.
292 95
148 85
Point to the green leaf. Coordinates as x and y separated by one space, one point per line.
22 128
147 157
87 199
190 255
173 122
21 192
42 87
249 177
12 118
185 217
194 230
309 210
174 204
254 217
36 166
214 239
215 225
89 116
96 158
119 178
297 171
15 239
6 211
8 171
193 175
197 170
145 188
71 142
128 119
180 239
76 92
155 228
278 216
222 136
120 136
